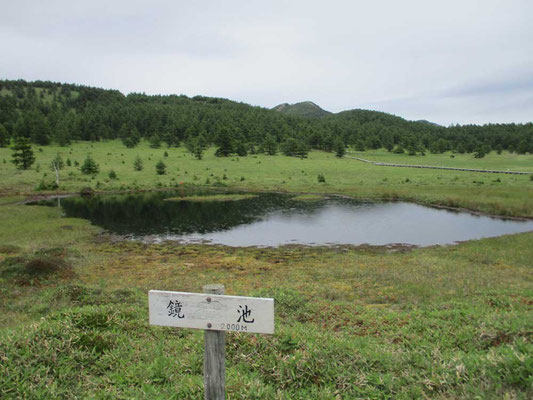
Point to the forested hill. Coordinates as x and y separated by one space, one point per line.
47 111
303 109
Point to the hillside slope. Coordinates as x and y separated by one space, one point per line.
48 112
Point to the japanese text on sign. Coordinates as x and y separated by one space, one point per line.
216 312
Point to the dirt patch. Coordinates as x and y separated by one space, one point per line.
9 249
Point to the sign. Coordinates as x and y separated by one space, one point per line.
211 311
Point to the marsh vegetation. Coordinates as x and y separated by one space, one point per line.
371 322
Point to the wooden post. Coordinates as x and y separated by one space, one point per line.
214 357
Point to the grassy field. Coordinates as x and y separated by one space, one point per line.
495 194
492 161
367 322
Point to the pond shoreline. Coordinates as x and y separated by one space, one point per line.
31 198
108 237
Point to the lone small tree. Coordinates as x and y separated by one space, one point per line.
138 164
161 168
89 166
23 157
56 165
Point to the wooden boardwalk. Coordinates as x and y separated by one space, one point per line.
490 171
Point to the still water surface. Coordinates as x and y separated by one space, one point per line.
273 219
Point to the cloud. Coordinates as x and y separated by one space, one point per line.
465 61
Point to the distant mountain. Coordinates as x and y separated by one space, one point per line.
303 109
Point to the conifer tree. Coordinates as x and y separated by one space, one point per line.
89 166
195 145
4 139
138 164
23 157
270 146
340 148
225 143
62 134
160 168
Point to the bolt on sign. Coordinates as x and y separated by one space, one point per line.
211 312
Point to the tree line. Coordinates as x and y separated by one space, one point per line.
45 112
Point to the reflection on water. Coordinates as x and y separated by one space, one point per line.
273 219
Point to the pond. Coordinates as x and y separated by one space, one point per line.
273 219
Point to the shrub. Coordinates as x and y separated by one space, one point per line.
399 150
112 174
160 168
46 186
44 265
89 166
138 164
321 178
9 249
86 192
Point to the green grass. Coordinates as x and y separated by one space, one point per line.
445 322
10 199
492 161
367 322
34 227
491 193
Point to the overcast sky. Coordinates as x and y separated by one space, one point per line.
447 61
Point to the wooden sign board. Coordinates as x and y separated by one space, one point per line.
211 311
